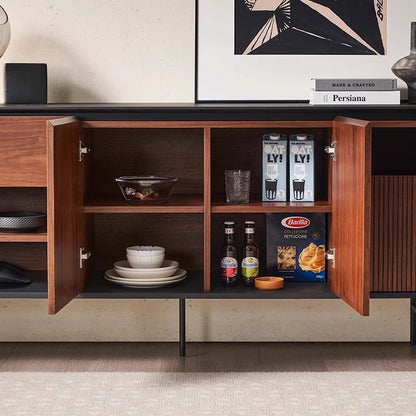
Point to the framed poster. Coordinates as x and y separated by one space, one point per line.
268 50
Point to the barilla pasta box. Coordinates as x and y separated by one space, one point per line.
274 167
296 246
301 167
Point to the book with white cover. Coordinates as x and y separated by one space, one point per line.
354 97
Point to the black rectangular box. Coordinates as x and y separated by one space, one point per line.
26 84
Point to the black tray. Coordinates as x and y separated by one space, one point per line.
21 221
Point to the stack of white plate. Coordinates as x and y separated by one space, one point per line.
145 278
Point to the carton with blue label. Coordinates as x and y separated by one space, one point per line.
301 167
274 167
296 246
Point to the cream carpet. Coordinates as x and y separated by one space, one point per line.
254 394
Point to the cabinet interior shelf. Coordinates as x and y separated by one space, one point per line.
262 207
23 237
177 203
191 288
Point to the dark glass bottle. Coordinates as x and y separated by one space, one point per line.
229 263
250 255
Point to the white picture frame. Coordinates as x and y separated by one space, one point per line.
223 76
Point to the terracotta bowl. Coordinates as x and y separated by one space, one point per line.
269 283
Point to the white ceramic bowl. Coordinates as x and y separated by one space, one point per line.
144 250
169 267
143 257
146 262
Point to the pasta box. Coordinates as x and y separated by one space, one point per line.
296 246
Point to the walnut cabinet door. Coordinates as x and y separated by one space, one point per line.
350 232
65 212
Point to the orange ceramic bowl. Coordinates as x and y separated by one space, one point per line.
268 283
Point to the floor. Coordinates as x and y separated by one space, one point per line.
207 357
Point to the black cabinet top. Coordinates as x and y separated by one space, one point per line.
214 111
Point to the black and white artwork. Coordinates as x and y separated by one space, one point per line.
310 27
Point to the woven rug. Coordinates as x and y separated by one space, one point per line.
286 394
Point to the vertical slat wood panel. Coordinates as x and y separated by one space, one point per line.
384 242
390 217
401 239
394 235
413 238
408 210
207 209
375 232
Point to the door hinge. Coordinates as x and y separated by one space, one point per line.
330 255
331 150
83 150
83 256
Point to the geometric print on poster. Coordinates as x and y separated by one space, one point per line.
310 27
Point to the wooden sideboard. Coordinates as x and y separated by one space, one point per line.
368 194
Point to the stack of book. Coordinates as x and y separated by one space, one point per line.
355 91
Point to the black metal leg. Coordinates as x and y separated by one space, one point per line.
182 328
413 321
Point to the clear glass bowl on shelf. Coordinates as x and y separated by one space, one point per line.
141 189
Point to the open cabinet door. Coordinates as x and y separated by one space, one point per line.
350 233
65 216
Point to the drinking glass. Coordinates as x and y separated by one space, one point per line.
237 186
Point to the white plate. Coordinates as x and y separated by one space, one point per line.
169 267
147 285
114 275
143 285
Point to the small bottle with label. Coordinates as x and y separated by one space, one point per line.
229 263
250 261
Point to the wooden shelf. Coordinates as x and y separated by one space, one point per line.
192 288
23 238
176 204
263 207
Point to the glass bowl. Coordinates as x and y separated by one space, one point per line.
139 189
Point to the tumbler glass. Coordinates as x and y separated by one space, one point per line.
237 186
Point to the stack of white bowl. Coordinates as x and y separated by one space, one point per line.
145 268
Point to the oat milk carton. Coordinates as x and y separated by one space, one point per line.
301 167
274 167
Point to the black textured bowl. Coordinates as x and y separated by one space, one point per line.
21 221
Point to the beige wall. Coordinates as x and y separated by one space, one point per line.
107 50
143 51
